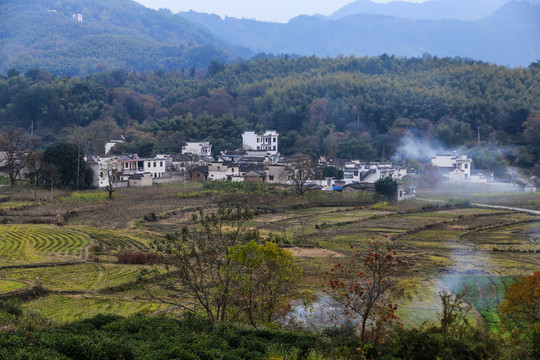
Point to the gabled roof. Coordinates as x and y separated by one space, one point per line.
361 186
132 157
182 157
252 174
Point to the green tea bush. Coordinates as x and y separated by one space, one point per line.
151 338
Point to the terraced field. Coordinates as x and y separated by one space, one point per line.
478 251
117 240
11 205
84 277
65 308
441 246
515 238
39 243
11 285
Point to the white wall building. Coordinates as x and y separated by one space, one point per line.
455 168
370 173
155 166
267 142
197 148
101 168
224 171
124 166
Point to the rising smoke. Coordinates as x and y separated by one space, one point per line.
423 150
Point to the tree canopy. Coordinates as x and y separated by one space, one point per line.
331 106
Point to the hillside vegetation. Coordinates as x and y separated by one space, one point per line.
347 107
112 34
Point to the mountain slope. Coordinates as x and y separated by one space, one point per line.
429 10
116 33
508 37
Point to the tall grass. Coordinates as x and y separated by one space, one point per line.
236 187
84 197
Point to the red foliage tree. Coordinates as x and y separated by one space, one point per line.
520 316
361 285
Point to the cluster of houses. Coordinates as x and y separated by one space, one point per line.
259 160
256 161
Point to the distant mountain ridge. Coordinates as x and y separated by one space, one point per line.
428 10
50 34
73 37
509 36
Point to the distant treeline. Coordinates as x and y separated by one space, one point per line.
345 107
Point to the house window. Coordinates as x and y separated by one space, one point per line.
274 139
257 139
466 166
274 147
149 164
154 164
271 177
101 174
161 163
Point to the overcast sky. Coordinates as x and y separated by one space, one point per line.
267 10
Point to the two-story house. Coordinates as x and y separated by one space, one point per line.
267 142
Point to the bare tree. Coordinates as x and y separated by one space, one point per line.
202 280
82 138
18 147
110 171
300 171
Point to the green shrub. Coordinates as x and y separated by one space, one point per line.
12 307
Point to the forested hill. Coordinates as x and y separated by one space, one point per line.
110 34
507 37
344 107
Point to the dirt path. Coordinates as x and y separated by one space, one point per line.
534 212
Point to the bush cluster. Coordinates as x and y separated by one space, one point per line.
138 257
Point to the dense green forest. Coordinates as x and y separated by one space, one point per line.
344 107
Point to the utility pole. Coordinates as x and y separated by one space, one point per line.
479 135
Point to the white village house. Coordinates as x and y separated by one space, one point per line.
370 173
455 168
122 167
197 148
267 142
